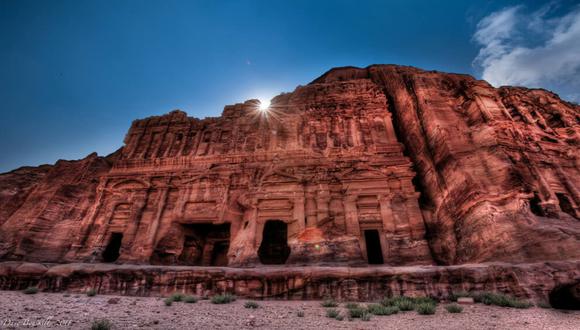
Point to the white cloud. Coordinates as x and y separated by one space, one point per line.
531 49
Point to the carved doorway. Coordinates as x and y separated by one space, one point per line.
205 245
111 253
373 244
274 249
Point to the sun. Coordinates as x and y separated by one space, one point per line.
264 105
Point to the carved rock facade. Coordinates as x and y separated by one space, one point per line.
388 165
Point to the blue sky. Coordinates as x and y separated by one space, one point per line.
74 74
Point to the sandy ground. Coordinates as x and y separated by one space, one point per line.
75 311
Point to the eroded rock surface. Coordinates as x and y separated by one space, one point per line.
382 165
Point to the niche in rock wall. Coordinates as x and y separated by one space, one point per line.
565 204
274 249
535 206
111 253
205 245
373 245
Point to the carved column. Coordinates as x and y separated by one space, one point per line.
151 238
310 210
387 214
322 200
351 215
299 215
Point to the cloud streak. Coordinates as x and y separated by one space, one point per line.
533 49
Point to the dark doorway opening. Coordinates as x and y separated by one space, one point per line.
205 245
374 251
219 255
565 204
535 205
274 249
111 253
566 297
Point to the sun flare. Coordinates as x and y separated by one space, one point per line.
264 104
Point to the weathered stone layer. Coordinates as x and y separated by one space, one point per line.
532 281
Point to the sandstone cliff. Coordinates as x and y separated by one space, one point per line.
385 164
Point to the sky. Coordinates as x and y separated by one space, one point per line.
74 74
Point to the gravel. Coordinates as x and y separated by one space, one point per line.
77 311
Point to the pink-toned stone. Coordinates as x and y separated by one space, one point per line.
445 168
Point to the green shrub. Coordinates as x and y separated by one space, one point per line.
168 301
378 309
177 297
31 290
102 324
357 312
190 299
351 305
425 308
499 299
332 313
91 292
405 305
225 298
424 300
521 304
454 308
329 303
401 302
300 313
251 304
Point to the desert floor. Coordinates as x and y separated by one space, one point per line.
77 311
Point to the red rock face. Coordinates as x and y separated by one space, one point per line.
386 164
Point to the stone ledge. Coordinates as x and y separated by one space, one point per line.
531 281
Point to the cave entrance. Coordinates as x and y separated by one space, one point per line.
111 253
205 244
565 204
535 206
274 249
566 297
374 251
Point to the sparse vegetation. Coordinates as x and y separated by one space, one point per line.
351 305
300 313
177 297
454 308
31 290
190 299
425 308
329 303
251 305
168 301
102 324
499 299
357 312
91 292
332 313
366 316
378 309
225 298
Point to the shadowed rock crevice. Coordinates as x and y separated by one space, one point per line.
566 296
